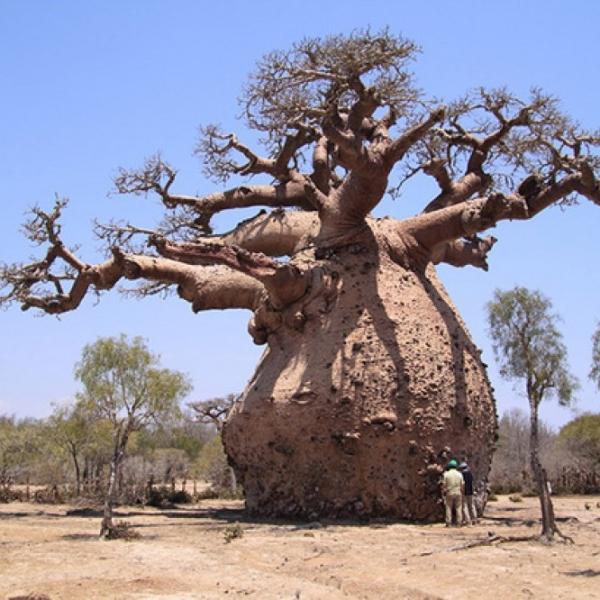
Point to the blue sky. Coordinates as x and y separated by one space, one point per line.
91 86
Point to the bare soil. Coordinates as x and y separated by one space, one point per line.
183 554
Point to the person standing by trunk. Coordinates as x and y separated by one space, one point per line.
453 489
469 512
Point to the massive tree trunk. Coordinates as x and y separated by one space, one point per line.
357 413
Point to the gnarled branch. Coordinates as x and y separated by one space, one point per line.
284 282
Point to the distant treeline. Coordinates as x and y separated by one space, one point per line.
571 457
67 455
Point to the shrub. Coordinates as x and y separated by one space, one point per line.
8 495
233 532
122 530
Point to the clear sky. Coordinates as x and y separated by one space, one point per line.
91 86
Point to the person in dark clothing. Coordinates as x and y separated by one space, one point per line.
469 512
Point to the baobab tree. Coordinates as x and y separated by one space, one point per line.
369 379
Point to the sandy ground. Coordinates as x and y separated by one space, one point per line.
182 554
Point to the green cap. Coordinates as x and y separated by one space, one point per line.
452 464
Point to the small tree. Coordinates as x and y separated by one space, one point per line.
595 370
214 412
69 426
529 348
123 384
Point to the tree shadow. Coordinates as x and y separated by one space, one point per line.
20 515
460 342
80 536
582 573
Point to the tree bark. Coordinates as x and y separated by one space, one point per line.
77 471
548 521
355 413
107 526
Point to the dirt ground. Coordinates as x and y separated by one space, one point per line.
183 554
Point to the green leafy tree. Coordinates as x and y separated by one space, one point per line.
123 384
8 449
529 349
71 428
22 447
582 437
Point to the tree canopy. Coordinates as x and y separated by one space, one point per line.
123 383
529 348
528 344
338 116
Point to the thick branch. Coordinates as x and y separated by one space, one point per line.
485 139
278 233
284 282
432 229
460 253
367 103
158 176
400 146
321 174
351 152
205 288
289 194
455 192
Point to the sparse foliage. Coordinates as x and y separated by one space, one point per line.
333 105
123 384
529 349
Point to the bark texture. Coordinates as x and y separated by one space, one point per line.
357 413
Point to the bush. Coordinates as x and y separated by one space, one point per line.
8 495
122 530
166 497
233 532
180 497
48 495
212 466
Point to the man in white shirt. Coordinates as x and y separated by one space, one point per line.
453 486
